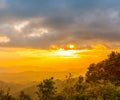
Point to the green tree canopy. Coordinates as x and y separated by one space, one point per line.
46 89
108 69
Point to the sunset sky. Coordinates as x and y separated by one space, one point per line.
57 35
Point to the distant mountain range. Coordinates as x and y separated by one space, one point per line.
28 88
30 76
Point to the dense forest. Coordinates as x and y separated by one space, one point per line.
101 82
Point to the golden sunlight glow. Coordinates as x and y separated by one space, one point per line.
71 46
27 59
62 52
68 53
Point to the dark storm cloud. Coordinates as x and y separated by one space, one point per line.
41 23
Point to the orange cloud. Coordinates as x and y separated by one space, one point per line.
4 39
99 47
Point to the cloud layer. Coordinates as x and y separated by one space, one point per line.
43 23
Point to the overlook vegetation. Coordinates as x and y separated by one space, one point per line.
101 82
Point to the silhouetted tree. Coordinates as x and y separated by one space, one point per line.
1 94
107 70
46 89
6 96
109 92
79 87
112 67
24 96
59 97
68 88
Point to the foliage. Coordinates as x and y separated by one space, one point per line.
46 89
68 88
6 96
107 70
23 96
